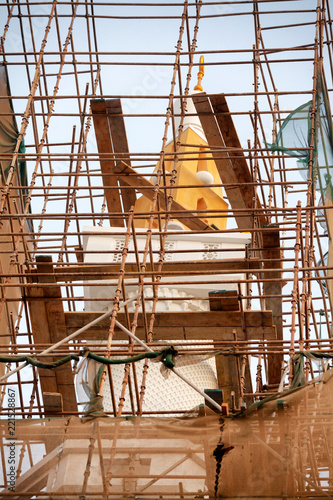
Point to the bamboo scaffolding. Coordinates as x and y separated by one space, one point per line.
66 193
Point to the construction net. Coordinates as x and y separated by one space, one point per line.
294 139
281 449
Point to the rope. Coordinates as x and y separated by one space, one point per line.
166 356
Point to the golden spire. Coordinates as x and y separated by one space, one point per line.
200 74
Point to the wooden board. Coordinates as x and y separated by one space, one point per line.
224 301
183 319
228 367
52 403
104 145
48 327
41 334
183 333
117 129
220 132
182 326
88 272
272 293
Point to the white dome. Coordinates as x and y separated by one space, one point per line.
205 177
174 225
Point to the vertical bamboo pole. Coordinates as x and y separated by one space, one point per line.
272 160
295 296
242 381
117 298
3 38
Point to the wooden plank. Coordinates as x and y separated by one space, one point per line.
224 301
182 326
227 377
36 477
49 326
104 145
185 319
119 142
132 178
220 132
88 272
52 403
227 367
183 333
273 292
41 334
226 333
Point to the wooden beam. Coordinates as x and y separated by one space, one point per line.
220 132
227 367
41 334
111 138
36 477
182 325
48 327
132 178
188 319
273 296
88 272
227 300
52 403
119 142
104 145
184 333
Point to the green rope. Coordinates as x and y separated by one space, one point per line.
165 356
35 362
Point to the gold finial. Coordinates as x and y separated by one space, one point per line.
200 74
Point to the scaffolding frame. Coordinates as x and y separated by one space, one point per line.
284 300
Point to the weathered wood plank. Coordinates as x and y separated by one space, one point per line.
184 333
104 145
41 334
224 301
120 145
220 132
52 403
182 326
88 272
272 293
49 326
184 319
228 367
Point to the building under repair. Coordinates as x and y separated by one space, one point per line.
166 251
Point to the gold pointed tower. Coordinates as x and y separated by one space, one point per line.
197 170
